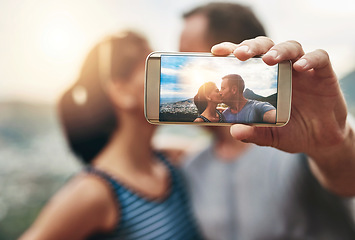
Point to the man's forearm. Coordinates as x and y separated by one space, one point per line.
335 167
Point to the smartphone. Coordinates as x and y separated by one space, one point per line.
203 89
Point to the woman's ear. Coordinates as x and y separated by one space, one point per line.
120 95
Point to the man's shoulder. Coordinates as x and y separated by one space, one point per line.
258 103
263 154
197 159
263 106
255 156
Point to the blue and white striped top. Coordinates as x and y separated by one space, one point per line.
143 218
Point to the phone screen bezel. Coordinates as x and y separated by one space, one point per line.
152 91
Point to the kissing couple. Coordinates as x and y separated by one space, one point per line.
240 109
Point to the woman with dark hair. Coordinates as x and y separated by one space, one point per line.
126 190
206 101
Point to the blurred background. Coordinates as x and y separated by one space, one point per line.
43 44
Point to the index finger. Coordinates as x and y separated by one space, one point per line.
246 49
224 48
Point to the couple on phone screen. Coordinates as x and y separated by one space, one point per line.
239 109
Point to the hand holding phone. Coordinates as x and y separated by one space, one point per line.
199 88
318 124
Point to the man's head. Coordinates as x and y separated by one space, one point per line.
213 23
232 88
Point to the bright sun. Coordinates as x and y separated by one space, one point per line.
59 36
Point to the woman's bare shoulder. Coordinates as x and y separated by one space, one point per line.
84 206
87 189
88 194
89 185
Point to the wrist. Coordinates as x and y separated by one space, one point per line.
341 147
334 166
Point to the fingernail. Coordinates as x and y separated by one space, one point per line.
272 53
231 130
243 48
302 63
213 48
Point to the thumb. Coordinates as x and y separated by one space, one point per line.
262 136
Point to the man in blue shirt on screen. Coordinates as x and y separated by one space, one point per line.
242 110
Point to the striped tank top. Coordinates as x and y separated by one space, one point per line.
221 118
143 218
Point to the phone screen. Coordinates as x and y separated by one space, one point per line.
217 89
